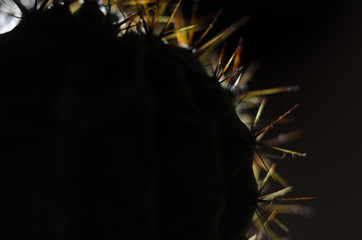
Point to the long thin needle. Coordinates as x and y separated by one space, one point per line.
170 18
264 130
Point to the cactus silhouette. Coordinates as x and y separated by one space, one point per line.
111 133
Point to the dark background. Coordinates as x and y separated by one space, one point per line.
317 45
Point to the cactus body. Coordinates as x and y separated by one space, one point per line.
109 137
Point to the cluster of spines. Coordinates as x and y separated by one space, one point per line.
149 17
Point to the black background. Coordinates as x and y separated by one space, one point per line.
317 45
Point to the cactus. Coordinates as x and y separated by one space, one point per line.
111 132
